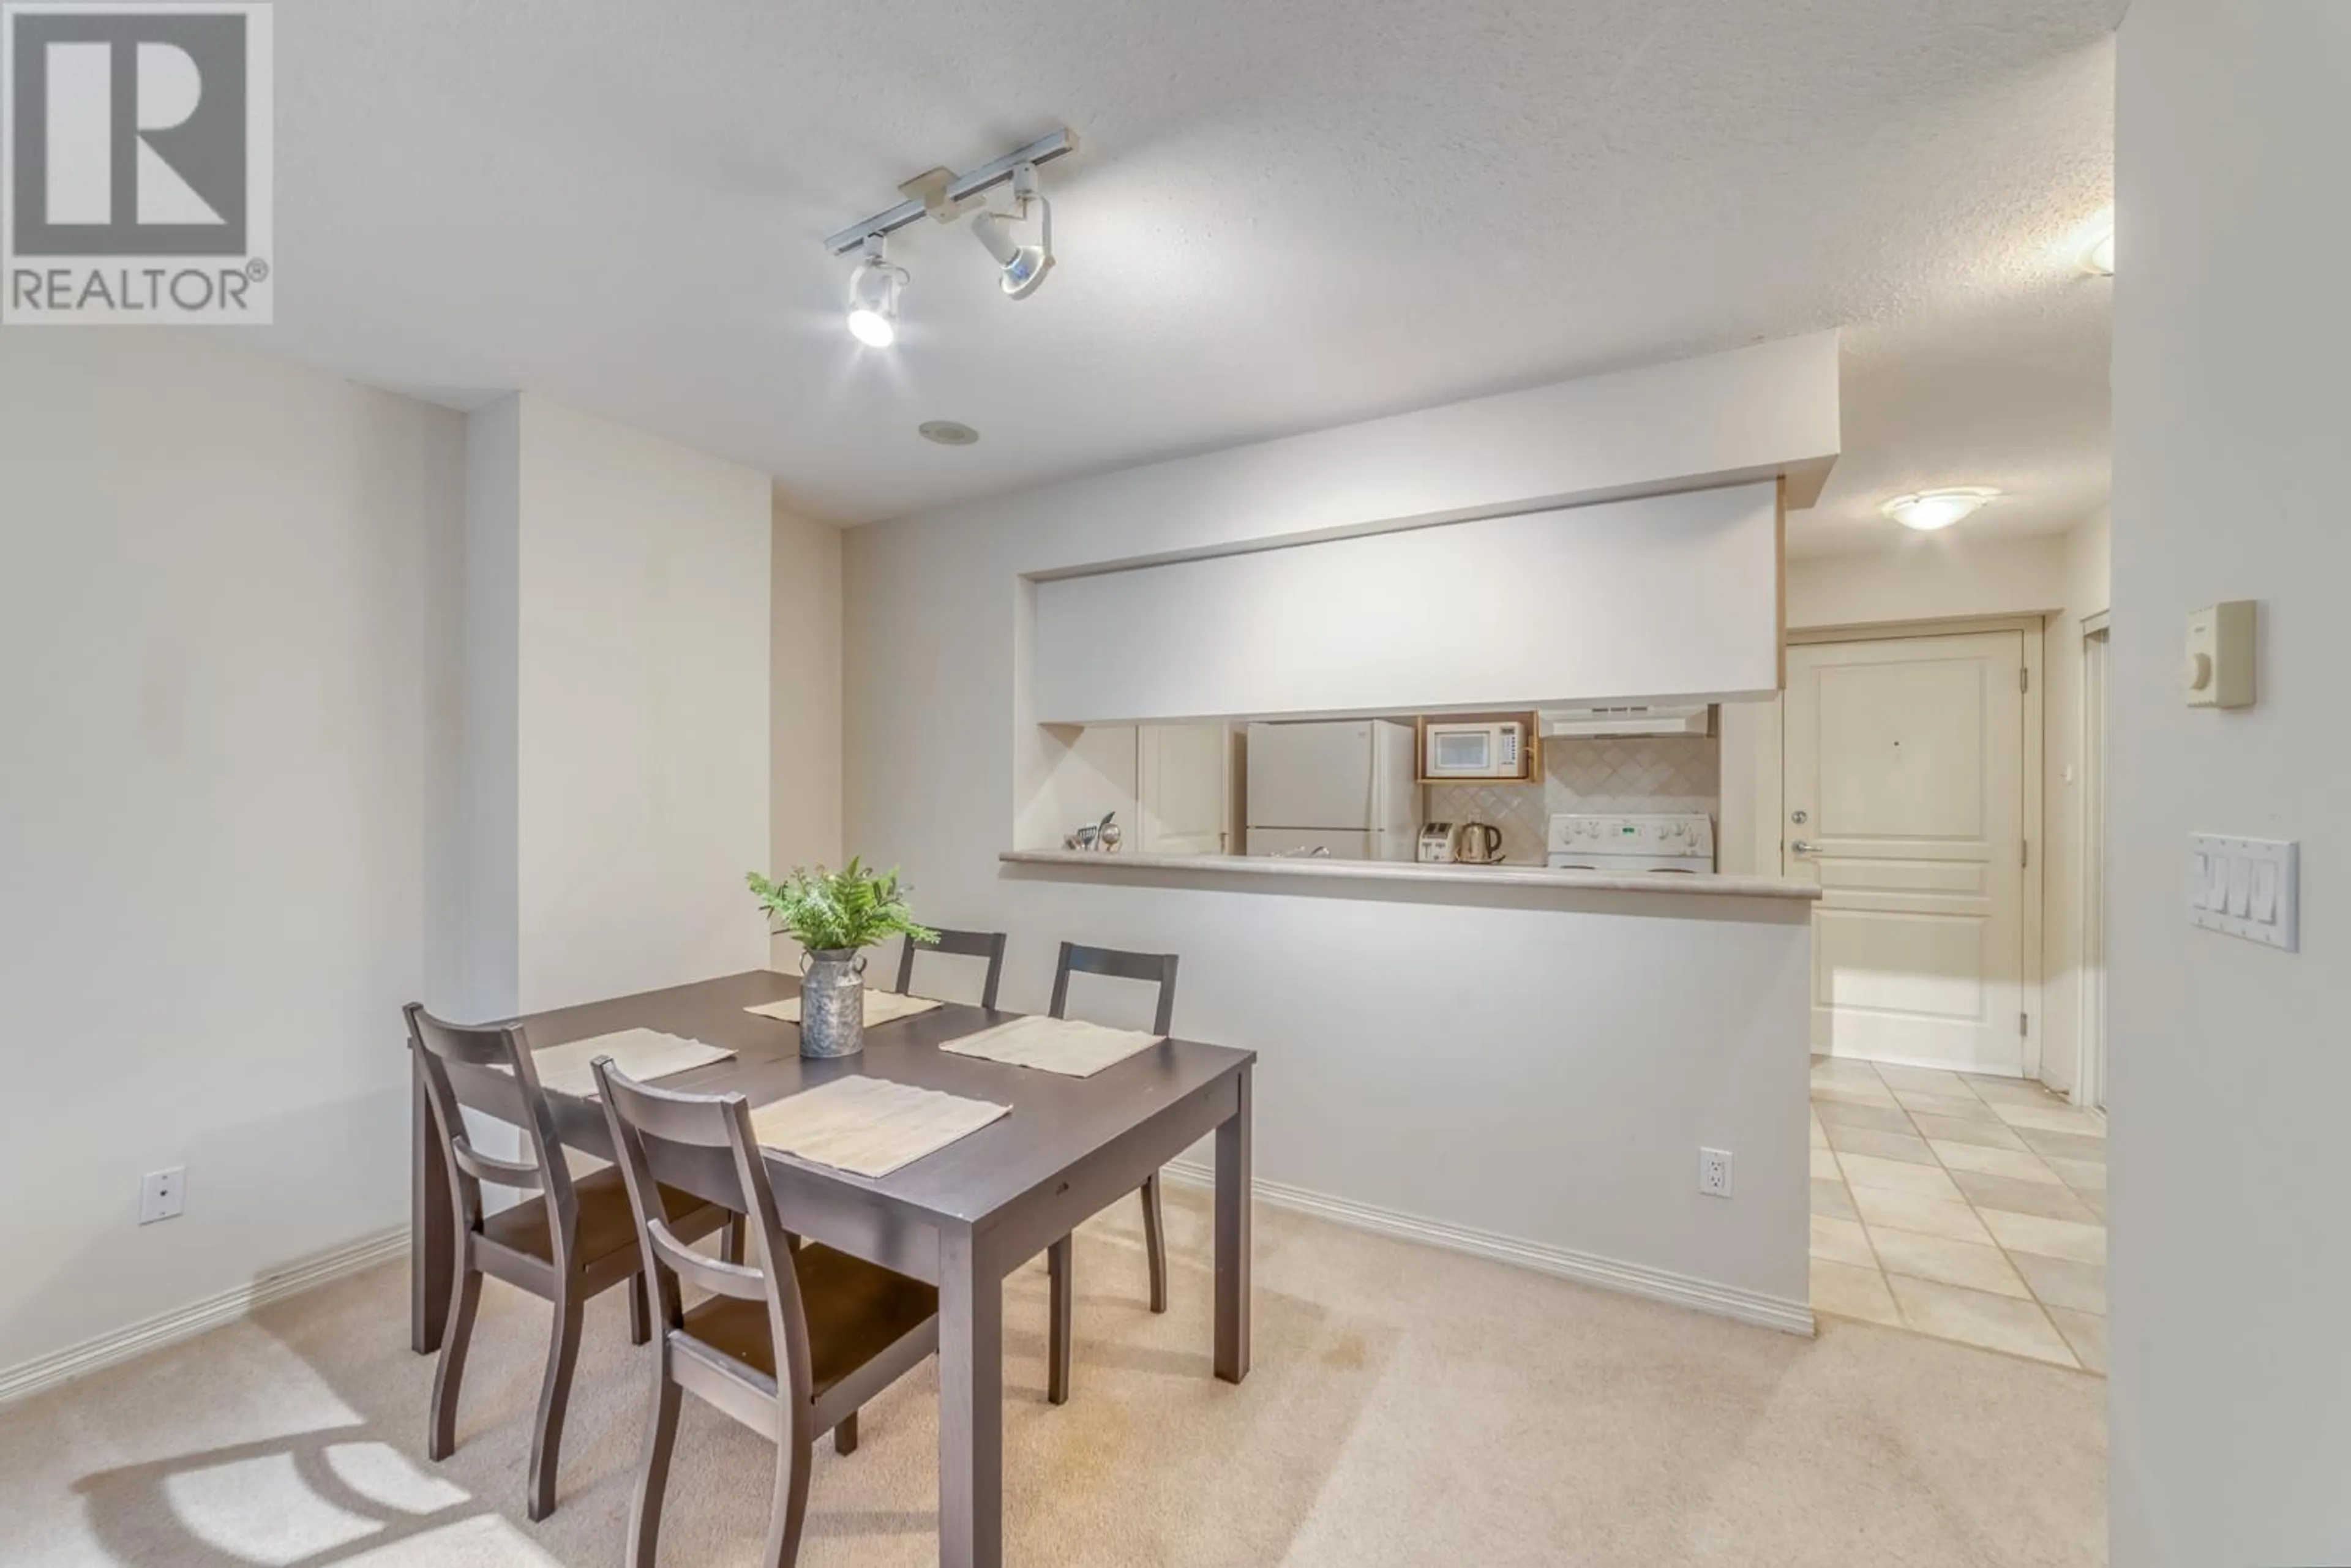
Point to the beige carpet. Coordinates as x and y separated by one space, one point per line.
1407 1407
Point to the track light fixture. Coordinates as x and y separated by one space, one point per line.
874 296
1024 266
944 196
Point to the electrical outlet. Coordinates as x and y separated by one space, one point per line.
1714 1172
163 1195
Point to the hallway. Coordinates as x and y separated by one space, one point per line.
1966 1208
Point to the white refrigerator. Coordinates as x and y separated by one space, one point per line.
1346 785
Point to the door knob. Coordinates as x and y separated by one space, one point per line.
1802 846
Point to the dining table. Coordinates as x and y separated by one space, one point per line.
960 1218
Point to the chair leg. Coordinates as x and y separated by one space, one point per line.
790 1507
640 1311
1061 1290
844 1437
465 1296
652 1478
730 1243
1155 1241
554 1398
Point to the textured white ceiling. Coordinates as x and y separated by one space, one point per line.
1284 216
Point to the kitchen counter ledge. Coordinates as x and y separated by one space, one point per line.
1415 872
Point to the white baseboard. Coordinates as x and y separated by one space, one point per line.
1632 1278
184 1323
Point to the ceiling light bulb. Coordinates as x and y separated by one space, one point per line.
1931 509
874 297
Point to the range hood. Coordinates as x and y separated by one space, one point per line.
1627 718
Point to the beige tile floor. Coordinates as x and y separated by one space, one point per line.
1966 1208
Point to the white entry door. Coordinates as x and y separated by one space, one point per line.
1905 799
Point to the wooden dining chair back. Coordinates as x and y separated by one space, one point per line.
789 1340
988 945
490 1072
1156 969
564 1241
1153 968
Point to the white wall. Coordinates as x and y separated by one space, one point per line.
488 861
1666 596
804 703
2084 575
1714 420
1927 577
1566 1106
640 659
229 723
2231 1259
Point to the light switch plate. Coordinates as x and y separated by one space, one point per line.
2246 887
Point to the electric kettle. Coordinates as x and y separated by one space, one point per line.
1478 843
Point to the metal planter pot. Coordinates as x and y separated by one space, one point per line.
832 1002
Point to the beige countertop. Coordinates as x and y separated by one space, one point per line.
1413 872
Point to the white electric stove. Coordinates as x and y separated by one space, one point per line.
1632 844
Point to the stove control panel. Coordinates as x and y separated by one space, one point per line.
1693 836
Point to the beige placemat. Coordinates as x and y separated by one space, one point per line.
639 1053
1071 1046
869 1126
881 1007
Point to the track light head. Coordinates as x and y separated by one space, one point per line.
1023 266
874 296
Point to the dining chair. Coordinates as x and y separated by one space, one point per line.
1159 968
988 945
567 1241
789 1341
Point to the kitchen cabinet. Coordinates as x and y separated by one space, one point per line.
1184 789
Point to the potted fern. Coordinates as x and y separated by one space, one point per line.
833 915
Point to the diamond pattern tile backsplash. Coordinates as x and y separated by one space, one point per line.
1677 773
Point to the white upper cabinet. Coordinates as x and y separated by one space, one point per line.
1184 788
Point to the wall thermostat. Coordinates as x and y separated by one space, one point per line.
2220 669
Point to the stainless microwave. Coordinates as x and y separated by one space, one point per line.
1479 750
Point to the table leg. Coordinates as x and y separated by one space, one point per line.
1062 1290
1233 1183
971 1402
432 1242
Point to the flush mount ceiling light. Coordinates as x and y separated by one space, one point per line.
1023 266
1931 509
946 433
874 296
944 196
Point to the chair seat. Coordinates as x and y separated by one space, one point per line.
855 1311
606 1225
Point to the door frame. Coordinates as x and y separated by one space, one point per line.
2090 1068
1772 845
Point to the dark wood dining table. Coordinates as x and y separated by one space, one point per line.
961 1218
